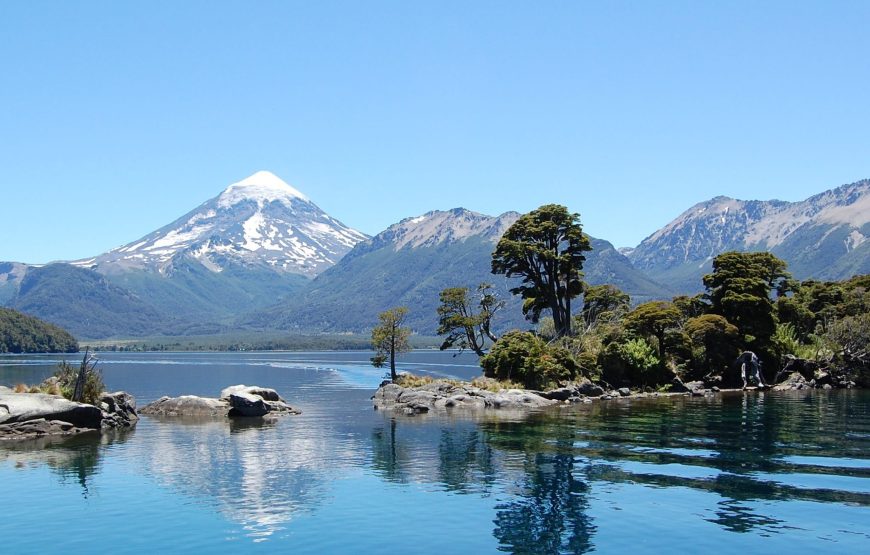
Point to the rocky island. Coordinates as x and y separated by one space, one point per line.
234 401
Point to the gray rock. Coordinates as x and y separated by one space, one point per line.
561 394
793 381
245 404
624 391
516 398
186 405
446 395
715 389
266 393
119 411
589 389
21 407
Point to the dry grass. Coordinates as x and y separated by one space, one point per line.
21 388
493 385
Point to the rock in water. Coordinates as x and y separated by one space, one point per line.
186 405
119 410
245 404
266 393
21 407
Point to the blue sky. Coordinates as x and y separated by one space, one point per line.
118 117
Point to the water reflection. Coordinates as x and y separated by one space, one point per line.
259 473
75 458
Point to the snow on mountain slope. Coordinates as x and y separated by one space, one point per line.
824 236
260 221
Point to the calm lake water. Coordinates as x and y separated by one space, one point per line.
741 473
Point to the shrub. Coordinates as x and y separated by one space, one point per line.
526 358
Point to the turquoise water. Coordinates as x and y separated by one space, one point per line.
742 473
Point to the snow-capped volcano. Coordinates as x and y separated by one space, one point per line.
260 221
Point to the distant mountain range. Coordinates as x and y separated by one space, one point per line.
412 261
823 237
261 255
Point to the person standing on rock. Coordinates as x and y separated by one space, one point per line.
748 361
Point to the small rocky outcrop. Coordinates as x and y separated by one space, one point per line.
186 405
448 395
235 401
119 410
793 381
32 415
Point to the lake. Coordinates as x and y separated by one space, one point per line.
736 473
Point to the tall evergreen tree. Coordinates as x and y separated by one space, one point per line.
545 247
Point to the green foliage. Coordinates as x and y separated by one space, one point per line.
523 357
849 339
20 333
545 248
93 387
715 343
653 320
631 362
639 355
460 324
390 338
603 301
739 289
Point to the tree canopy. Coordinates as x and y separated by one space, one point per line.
739 289
390 338
545 247
462 326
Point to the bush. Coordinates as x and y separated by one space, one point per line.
632 362
67 374
526 358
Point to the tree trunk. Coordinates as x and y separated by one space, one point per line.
393 361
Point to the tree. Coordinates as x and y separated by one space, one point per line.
739 289
462 326
545 247
389 338
654 319
599 300
715 343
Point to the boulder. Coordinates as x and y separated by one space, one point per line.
516 398
589 389
186 405
21 407
246 404
794 381
624 391
806 368
677 386
265 393
119 410
561 394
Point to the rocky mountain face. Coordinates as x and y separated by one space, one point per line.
409 264
824 236
257 241
259 222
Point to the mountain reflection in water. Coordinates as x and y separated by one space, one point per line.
730 473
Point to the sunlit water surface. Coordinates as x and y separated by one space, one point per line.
753 473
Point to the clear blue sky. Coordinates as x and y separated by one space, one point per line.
118 117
